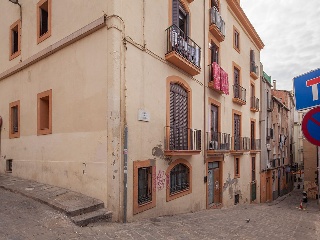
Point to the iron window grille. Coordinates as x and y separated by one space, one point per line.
179 179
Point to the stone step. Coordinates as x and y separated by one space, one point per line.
91 217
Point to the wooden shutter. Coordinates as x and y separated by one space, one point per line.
252 57
237 132
178 117
175 12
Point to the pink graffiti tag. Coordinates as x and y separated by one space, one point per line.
161 180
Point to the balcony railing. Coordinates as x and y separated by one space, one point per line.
182 139
269 106
185 47
239 94
269 133
254 104
255 144
218 141
254 70
241 143
217 25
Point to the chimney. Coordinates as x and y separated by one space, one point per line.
274 84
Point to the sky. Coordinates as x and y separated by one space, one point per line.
290 31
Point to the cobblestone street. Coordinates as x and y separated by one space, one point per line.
24 218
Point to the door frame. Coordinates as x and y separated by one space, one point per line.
218 158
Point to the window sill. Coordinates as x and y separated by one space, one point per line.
144 207
181 152
14 135
14 55
237 49
178 194
238 152
44 131
43 37
237 176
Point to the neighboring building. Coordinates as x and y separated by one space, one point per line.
267 136
152 106
298 138
281 147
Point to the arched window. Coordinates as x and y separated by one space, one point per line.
179 178
179 182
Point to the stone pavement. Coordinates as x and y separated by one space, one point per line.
24 218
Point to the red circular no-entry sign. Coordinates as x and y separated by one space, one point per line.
311 126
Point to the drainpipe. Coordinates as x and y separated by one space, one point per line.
125 172
204 82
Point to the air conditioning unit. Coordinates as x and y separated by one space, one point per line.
268 146
268 165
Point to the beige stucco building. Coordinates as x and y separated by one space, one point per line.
150 106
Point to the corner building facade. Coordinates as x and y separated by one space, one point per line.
150 106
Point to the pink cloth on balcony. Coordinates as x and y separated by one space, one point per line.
216 77
224 82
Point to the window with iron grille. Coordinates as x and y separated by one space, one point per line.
14 131
144 185
179 179
178 117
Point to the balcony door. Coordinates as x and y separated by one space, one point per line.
236 128
180 17
252 135
236 83
214 127
214 53
178 117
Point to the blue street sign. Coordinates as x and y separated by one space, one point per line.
306 90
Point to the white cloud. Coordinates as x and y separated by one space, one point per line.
290 30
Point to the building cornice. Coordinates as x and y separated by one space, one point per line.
242 17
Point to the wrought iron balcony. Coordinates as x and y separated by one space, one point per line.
269 133
269 106
182 51
254 104
182 141
239 94
217 25
255 144
218 141
241 143
254 70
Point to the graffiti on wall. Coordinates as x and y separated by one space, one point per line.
161 180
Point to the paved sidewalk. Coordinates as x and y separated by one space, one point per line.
66 201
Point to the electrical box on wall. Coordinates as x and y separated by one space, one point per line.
143 115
